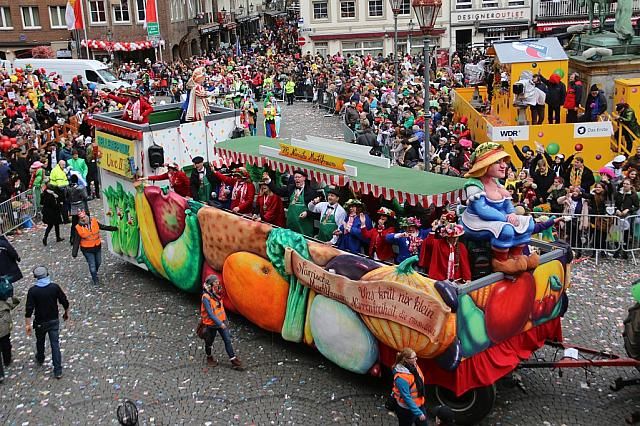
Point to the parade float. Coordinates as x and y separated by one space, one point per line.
355 311
509 118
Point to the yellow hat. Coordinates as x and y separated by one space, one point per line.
485 155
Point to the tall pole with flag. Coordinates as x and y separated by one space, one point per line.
151 22
75 20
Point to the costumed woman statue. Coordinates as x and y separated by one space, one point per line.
197 102
490 214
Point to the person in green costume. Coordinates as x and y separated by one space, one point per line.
202 180
332 215
300 194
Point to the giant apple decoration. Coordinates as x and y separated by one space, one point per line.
509 306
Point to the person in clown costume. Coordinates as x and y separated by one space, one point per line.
270 113
490 214
197 102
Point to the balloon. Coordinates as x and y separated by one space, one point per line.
4 138
579 147
13 78
13 140
91 86
553 148
560 72
597 178
598 157
14 146
526 149
540 134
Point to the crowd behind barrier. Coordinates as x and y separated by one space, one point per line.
20 210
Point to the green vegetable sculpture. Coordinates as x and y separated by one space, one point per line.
279 239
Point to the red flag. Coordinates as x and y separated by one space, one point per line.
151 15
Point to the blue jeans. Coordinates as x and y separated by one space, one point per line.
210 336
52 328
94 260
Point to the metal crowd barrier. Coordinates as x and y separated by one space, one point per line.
597 235
17 211
350 135
327 101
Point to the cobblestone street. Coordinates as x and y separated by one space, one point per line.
133 337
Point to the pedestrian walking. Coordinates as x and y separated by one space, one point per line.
8 302
42 300
9 260
90 243
77 197
214 318
51 213
408 389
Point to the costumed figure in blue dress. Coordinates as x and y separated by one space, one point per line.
490 214
410 241
350 236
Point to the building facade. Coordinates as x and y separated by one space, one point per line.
554 17
28 24
364 26
481 22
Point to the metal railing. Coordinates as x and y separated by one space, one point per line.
619 141
17 211
598 235
327 101
568 8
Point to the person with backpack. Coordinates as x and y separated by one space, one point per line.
408 389
9 259
214 319
42 300
7 303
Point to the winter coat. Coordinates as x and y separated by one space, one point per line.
9 259
626 201
77 197
50 208
6 323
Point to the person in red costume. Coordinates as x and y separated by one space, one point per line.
242 192
178 180
442 256
136 108
270 208
379 247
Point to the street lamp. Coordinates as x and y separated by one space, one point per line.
410 25
395 8
426 13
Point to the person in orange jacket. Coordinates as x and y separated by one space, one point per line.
214 318
408 389
90 243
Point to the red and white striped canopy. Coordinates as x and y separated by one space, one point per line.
227 157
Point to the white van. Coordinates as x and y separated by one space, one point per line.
90 70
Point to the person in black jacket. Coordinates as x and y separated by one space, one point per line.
627 204
595 104
558 164
579 175
367 137
202 180
51 214
556 94
43 299
77 197
543 178
9 259
300 194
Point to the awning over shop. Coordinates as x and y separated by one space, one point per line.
546 27
539 50
209 28
413 186
275 13
118 46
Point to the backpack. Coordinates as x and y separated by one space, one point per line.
6 288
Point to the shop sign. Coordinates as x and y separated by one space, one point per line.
312 157
505 133
471 17
593 130
117 153
388 300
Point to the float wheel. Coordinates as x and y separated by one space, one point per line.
469 408
631 333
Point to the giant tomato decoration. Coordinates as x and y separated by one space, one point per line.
509 306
